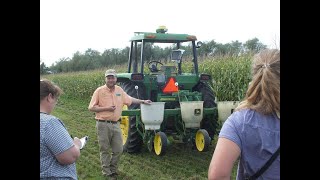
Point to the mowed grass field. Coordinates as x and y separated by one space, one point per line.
180 161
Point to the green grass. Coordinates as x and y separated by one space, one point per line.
180 161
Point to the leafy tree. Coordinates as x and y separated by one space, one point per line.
207 48
235 48
43 68
220 50
253 45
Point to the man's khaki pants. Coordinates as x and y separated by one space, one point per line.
110 138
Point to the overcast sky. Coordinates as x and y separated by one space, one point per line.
68 26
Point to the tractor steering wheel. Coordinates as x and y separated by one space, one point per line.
152 65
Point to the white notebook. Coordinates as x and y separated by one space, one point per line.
84 141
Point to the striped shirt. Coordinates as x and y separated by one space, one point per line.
54 139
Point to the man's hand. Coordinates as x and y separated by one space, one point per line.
146 101
111 108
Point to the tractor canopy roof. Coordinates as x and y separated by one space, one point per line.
162 37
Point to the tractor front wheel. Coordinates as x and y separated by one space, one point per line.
202 140
160 143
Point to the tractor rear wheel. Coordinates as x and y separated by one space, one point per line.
124 125
209 123
132 143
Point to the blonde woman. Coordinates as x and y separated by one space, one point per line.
252 132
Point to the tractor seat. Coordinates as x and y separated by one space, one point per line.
154 68
172 69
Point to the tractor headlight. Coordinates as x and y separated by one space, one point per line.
205 77
137 77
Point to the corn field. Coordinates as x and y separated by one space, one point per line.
231 76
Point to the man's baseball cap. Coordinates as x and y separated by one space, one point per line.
110 72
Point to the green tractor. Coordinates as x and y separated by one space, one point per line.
183 103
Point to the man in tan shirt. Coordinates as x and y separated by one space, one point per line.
107 102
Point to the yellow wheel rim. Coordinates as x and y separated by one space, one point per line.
200 141
157 144
124 125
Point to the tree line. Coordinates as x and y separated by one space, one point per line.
93 59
